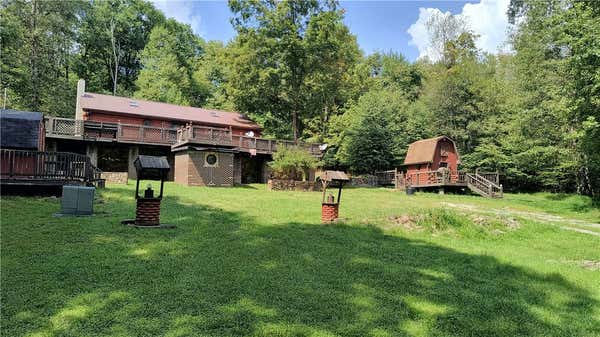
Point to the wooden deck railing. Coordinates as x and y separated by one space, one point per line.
71 128
225 137
40 165
130 133
434 178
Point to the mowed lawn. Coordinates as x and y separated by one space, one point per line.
250 262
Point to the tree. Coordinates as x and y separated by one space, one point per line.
37 54
292 162
110 40
290 60
557 61
444 28
371 136
215 72
169 64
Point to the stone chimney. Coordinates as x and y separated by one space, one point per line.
80 92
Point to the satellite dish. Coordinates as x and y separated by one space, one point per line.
323 147
250 133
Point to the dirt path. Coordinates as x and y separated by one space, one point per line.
567 224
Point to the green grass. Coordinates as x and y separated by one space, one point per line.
250 262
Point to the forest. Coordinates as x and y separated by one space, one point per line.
533 113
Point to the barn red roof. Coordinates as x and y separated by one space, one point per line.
423 151
150 109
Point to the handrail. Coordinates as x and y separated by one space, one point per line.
65 127
434 177
41 165
486 186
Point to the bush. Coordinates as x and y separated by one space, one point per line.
292 162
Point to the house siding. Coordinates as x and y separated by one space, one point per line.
192 170
108 117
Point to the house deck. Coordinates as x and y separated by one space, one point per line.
65 128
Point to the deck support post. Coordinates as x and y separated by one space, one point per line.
265 171
91 150
134 151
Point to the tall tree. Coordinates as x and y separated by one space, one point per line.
169 63
111 37
37 39
444 28
286 56
557 60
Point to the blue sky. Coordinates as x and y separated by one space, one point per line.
378 25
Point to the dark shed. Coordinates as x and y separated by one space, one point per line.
21 130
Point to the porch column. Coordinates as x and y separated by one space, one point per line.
133 154
91 150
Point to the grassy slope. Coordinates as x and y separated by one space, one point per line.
246 261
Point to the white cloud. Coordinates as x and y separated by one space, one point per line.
182 11
487 19
420 35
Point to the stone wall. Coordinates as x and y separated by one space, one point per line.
366 180
292 185
115 177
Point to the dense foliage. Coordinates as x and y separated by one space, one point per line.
292 162
533 113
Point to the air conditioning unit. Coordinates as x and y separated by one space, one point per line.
77 200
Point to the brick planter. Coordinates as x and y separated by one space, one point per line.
147 212
329 212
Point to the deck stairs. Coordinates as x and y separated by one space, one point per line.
482 186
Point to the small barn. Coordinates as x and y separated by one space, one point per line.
431 161
429 155
433 164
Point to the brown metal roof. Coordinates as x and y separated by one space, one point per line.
143 108
423 151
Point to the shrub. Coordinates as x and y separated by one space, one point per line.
292 162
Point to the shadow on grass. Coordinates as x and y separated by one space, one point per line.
223 274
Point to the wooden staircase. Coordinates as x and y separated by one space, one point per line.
482 186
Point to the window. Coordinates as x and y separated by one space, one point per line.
211 160
444 148
443 164
147 122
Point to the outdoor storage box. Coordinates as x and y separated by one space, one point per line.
77 200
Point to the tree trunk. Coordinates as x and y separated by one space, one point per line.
295 125
115 56
33 59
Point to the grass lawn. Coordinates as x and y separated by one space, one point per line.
250 262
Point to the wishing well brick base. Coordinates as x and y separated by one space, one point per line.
329 212
147 212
